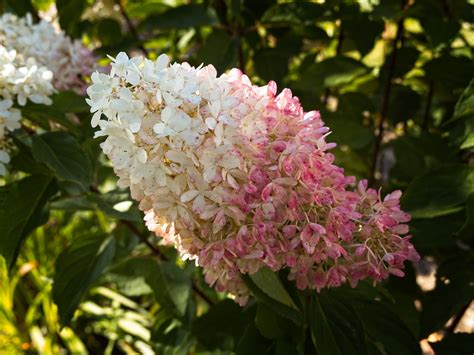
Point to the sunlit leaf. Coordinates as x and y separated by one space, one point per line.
77 268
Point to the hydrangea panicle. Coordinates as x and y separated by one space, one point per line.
238 177
36 59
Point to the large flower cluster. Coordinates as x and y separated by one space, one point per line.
68 59
237 177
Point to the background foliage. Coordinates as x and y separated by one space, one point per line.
391 78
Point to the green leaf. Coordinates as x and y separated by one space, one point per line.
268 281
171 285
321 334
129 276
268 322
252 342
406 59
367 309
439 28
363 31
267 288
385 329
416 155
439 192
108 31
69 101
331 72
21 211
344 324
184 16
222 326
70 12
271 64
219 49
24 160
64 156
347 130
468 142
465 105
411 104
292 13
450 72
437 232
77 268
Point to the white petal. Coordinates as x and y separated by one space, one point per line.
189 195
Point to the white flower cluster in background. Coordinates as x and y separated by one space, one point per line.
22 79
68 59
9 120
36 59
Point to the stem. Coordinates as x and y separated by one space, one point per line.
386 99
131 26
429 100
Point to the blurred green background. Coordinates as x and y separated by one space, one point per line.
393 81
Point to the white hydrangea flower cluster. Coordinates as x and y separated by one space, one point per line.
21 78
36 59
68 59
238 177
9 121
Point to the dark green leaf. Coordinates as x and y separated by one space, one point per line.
439 192
252 342
411 103
268 281
416 155
64 156
323 338
465 105
108 31
385 329
220 50
129 276
269 290
271 64
267 322
363 31
331 72
347 130
214 330
191 15
21 211
438 232
171 285
292 13
77 268
69 101
450 72
70 12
